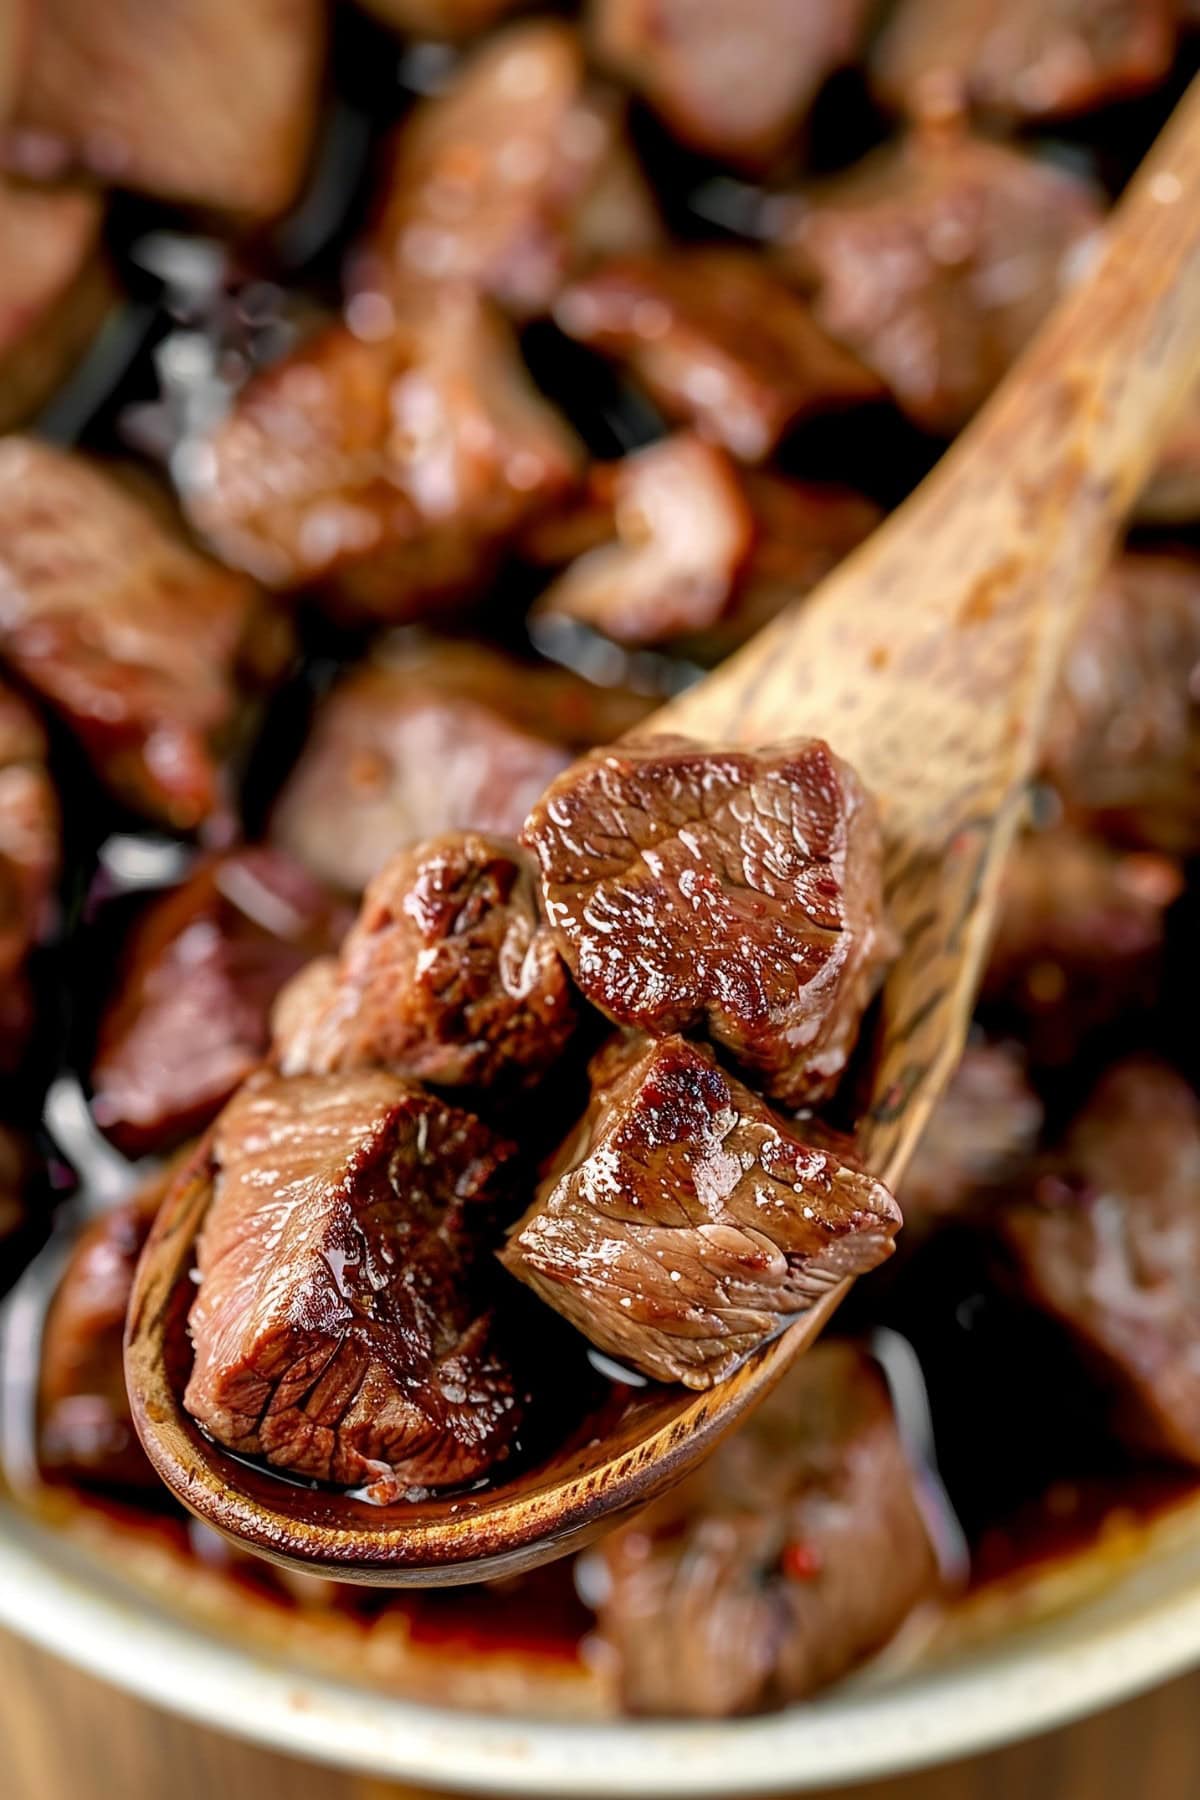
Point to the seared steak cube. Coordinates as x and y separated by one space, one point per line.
515 176
189 1015
731 78
683 1224
795 1551
448 975
982 1130
29 862
1022 59
208 102
496 731
718 342
732 890
391 471
343 1327
1107 1241
137 641
57 289
936 260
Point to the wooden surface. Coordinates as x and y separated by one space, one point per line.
67 1737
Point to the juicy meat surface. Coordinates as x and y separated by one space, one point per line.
981 1132
391 470
718 342
208 102
139 643
1108 1242
683 1223
189 1013
29 863
512 178
795 1551
497 732
740 891
1124 741
733 78
448 976
57 289
935 260
343 1326
1021 59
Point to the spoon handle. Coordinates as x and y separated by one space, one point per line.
929 658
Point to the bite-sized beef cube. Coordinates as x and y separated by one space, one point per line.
29 863
1021 59
189 1015
935 260
135 639
982 1130
496 731
448 975
797 1550
1079 937
208 102
682 1223
343 1326
1124 741
1108 1241
718 342
733 78
85 1430
515 176
392 471
57 289
454 19
690 886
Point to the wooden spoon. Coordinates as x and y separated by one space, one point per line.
928 660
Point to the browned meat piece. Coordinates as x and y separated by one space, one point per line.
718 342
391 471
981 1131
682 1223
795 1551
16 1171
29 863
137 641
1124 744
440 18
448 975
737 890
1108 1242
342 1326
85 1431
734 78
1021 59
57 289
1078 939
208 102
936 260
496 731
514 177
189 1016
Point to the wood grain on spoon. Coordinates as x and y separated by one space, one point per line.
928 660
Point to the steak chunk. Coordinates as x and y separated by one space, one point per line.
391 471
718 342
510 180
1028 60
734 890
794 1552
980 1133
189 1013
57 289
733 78
935 260
683 1224
1108 1242
448 975
497 731
343 1327
1124 745
29 864
138 642
208 102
